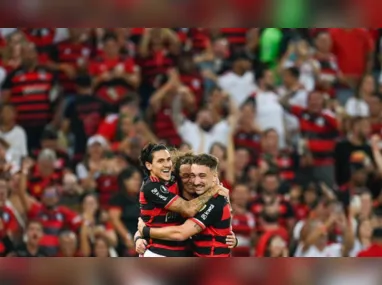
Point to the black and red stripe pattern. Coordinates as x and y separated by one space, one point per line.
164 127
107 186
235 36
243 225
155 198
215 220
30 91
320 131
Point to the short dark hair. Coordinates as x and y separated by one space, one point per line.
207 160
294 71
271 173
110 36
34 221
83 81
147 154
186 158
261 70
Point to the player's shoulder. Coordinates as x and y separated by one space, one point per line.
152 183
219 200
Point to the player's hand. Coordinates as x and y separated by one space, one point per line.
141 225
140 246
231 241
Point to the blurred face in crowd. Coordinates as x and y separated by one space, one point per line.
127 125
96 150
131 109
77 33
8 114
240 195
156 36
242 158
185 147
315 102
302 48
186 65
161 165
375 106
90 204
203 178
247 115
323 43
365 229
101 248
221 48
270 140
34 233
204 120
49 143
185 177
50 197
295 195
133 184
111 48
29 55
268 80
3 192
323 238
46 165
277 246
271 184
362 129
288 78
240 66
14 183
218 151
367 84
68 244
310 195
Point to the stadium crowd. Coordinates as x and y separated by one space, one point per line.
293 115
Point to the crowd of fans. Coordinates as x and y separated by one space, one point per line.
293 115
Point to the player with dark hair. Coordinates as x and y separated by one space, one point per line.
160 201
210 227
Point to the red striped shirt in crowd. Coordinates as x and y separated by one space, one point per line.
243 225
164 127
286 166
54 221
155 198
235 36
75 54
37 182
43 38
320 131
107 186
9 225
30 93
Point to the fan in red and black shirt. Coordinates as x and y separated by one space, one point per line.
319 130
243 222
275 159
237 37
329 70
69 57
210 226
29 88
269 195
83 115
115 75
43 38
53 217
161 205
8 222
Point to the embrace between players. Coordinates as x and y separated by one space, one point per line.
184 209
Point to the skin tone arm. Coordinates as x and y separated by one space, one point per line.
175 233
375 140
191 208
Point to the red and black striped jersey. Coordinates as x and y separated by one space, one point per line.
30 93
75 54
155 67
164 127
54 221
112 91
43 38
37 182
243 225
284 163
107 186
155 198
235 36
215 220
195 83
250 140
320 131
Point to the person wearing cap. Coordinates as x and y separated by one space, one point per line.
375 250
239 81
49 140
83 115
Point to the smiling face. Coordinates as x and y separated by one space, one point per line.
161 165
202 177
185 176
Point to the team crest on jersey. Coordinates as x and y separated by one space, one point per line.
42 75
163 189
320 122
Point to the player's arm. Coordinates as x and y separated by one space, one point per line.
174 233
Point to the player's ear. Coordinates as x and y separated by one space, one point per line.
148 165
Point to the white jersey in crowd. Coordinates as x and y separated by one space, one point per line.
332 250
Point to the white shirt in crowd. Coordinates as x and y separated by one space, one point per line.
17 139
356 107
300 99
270 114
200 140
331 250
238 87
